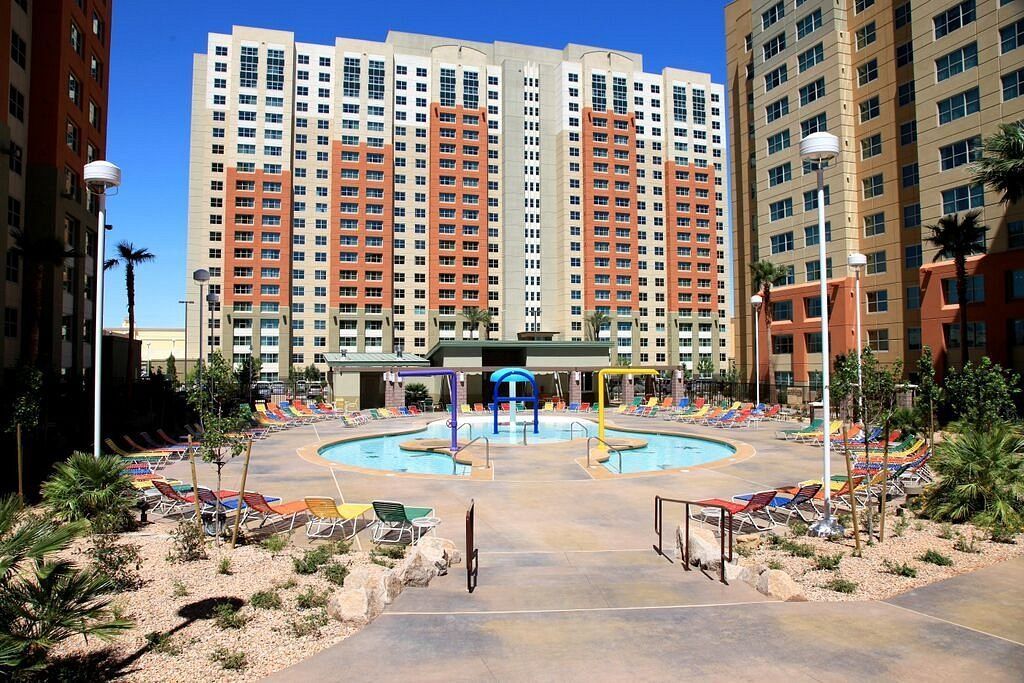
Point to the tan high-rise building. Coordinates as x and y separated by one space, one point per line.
910 88
361 196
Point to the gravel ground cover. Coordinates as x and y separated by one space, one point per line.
883 569
178 632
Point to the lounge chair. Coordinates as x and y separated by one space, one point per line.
793 434
478 408
171 501
790 503
741 512
548 407
584 407
271 509
325 516
396 517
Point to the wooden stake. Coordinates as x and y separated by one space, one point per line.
241 492
850 486
21 477
885 485
195 481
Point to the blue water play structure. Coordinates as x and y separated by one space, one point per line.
513 375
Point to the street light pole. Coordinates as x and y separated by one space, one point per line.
201 277
100 177
211 301
858 261
755 302
821 148
186 303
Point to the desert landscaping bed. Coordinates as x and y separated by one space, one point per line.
883 569
278 615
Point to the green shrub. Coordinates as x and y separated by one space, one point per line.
226 615
45 600
308 624
902 524
937 558
900 569
797 549
231 660
275 543
290 582
119 562
964 544
774 564
827 562
188 542
335 573
310 598
312 559
179 590
945 532
224 566
918 526
265 600
161 643
841 585
980 479
95 489
394 552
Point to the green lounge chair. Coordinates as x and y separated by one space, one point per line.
393 516
791 434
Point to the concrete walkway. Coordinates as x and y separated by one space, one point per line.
571 590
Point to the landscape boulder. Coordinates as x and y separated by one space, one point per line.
422 563
705 548
381 583
777 584
355 606
451 553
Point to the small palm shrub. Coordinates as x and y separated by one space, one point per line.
95 489
981 479
899 569
935 557
827 562
841 585
44 601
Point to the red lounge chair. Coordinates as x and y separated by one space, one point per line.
258 506
742 512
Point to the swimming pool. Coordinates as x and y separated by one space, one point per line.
662 452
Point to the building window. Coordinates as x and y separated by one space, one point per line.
869 109
963 198
905 93
782 310
871 146
19 50
908 133
873 186
1011 37
953 18
867 72
1013 85
1015 234
912 256
11 323
773 47
913 298
912 216
956 62
809 58
13 213
960 153
780 209
775 78
913 338
812 91
773 111
782 344
16 103
959 105
975 290
911 176
876 263
878 340
808 24
976 335
861 5
1015 284
865 35
878 301
904 54
773 15
815 124
782 243
874 224
901 15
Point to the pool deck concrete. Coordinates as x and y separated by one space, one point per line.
570 588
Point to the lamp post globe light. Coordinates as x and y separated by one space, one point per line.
755 303
820 148
857 261
100 178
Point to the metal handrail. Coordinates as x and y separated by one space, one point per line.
525 425
467 425
582 426
591 439
487 448
472 552
724 515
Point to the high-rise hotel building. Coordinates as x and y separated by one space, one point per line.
360 196
911 88
54 57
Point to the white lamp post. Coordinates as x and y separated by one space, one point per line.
211 300
857 261
820 148
755 302
100 177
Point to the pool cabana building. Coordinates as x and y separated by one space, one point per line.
563 371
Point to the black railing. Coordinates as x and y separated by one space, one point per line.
472 552
724 519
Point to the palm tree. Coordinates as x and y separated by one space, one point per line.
595 321
476 317
765 274
957 238
130 257
1002 166
38 252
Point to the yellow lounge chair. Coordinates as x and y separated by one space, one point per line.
465 409
325 516
549 407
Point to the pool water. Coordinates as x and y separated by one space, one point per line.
662 452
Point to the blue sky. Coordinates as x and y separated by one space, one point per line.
151 75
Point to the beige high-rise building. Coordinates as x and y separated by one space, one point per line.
910 88
361 196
